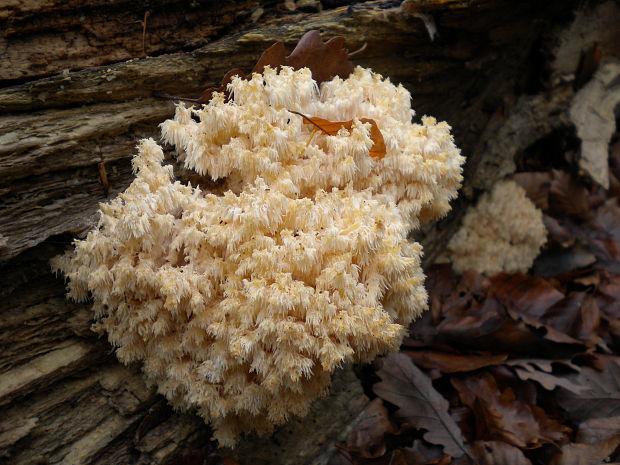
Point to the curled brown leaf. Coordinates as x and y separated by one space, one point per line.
325 60
331 128
502 416
452 363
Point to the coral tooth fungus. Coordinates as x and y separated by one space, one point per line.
240 306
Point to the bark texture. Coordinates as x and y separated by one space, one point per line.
63 396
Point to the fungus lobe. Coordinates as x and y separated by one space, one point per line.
240 306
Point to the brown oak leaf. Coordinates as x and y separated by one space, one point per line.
207 94
536 186
601 400
541 371
406 386
527 296
452 363
501 416
325 60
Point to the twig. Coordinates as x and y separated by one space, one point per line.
144 23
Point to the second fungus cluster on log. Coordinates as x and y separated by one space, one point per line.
504 232
240 306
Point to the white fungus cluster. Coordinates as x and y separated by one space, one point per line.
504 232
258 136
241 305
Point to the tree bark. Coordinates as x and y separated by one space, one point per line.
490 72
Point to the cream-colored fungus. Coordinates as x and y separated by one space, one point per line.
503 232
240 306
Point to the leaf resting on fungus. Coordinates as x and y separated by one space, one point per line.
406 386
206 94
325 60
331 128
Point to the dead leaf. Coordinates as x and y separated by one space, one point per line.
525 295
576 315
207 94
487 327
407 387
527 298
561 233
536 186
586 454
531 370
440 281
559 260
421 452
367 440
450 363
588 279
473 325
331 128
568 196
501 416
608 297
325 60
273 57
601 400
498 453
608 219
594 430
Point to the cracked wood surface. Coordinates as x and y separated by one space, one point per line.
63 396
46 36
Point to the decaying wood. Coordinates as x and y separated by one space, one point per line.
63 396
42 38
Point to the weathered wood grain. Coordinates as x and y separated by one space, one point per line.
46 37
